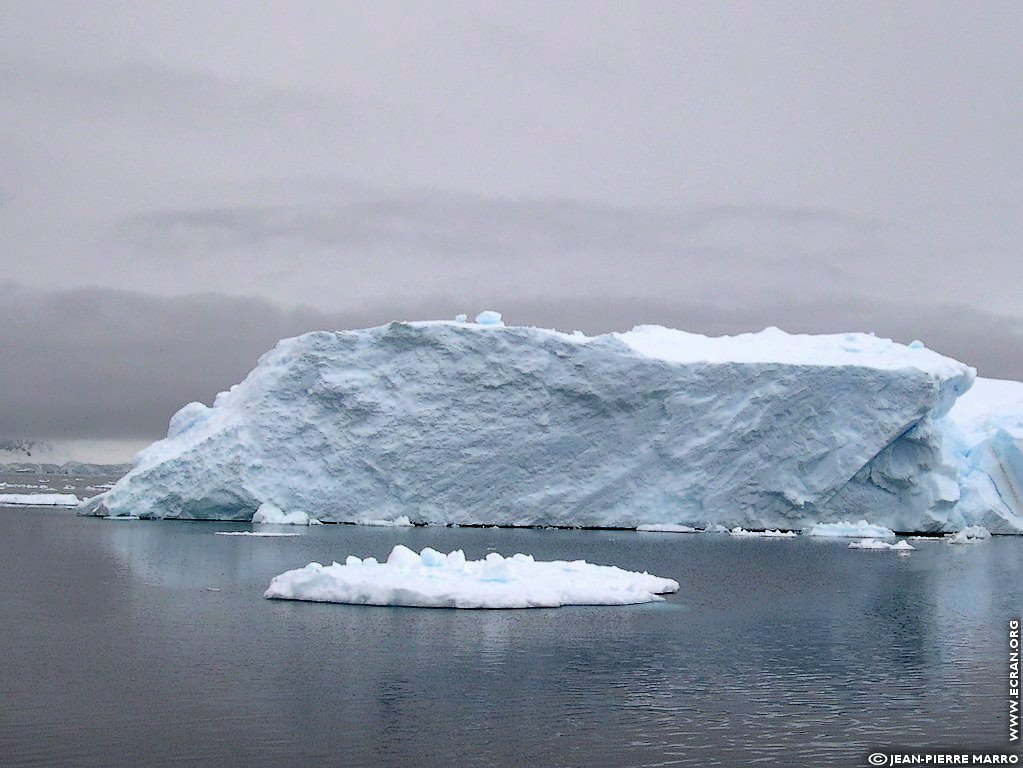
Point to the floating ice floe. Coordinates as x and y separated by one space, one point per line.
399 522
431 579
120 517
665 528
902 546
39 500
263 534
973 534
763 534
272 514
860 530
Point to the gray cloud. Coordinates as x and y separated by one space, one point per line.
383 247
100 363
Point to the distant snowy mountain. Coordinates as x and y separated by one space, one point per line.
67 457
458 422
20 449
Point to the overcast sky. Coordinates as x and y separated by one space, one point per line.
183 183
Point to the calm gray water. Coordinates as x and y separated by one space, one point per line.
116 650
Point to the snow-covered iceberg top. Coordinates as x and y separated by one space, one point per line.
861 530
481 423
431 579
39 500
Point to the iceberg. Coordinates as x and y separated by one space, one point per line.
431 579
482 423
39 500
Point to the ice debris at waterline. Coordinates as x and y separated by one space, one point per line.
272 514
39 500
402 521
769 534
861 530
480 423
881 546
665 528
258 534
973 534
431 579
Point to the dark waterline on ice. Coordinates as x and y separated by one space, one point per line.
131 643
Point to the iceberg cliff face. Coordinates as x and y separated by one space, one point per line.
984 437
467 423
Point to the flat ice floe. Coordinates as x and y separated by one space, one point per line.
264 534
860 530
874 544
431 579
39 500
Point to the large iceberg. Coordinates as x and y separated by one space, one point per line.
473 423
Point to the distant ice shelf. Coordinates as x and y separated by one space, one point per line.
39 500
431 579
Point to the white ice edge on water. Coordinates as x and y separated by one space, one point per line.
882 546
860 530
431 579
768 534
39 500
402 521
665 528
262 534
